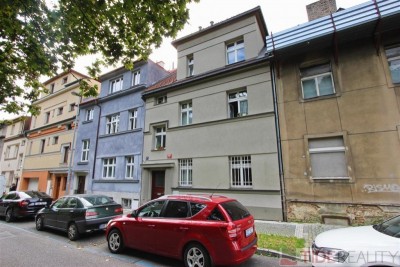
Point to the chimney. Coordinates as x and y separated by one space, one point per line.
320 9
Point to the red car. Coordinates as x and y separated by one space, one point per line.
201 230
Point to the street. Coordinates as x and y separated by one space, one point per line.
22 245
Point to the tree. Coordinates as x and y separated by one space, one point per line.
41 37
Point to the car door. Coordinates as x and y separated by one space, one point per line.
50 216
140 231
7 200
67 212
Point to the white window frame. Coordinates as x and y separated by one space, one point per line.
85 150
190 65
188 110
130 167
112 124
126 203
89 114
7 152
393 54
234 47
161 100
136 77
185 172
65 150
240 96
109 165
47 117
60 111
243 165
162 135
133 119
116 85
315 79
71 107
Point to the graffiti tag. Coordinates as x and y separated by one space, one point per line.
381 188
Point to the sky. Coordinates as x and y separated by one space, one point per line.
279 15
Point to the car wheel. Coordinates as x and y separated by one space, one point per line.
196 256
9 215
115 242
73 233
39 223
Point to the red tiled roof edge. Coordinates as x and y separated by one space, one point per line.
171 78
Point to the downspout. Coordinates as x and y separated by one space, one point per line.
96 143
279 145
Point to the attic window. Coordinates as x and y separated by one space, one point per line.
65 80
161 100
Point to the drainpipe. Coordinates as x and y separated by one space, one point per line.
96 143
279 145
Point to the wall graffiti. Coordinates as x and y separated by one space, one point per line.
381 188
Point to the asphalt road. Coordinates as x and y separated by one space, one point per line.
22 245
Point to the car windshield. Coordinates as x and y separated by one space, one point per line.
235 210
97 200
37 194
390 227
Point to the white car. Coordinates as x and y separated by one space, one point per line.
363 246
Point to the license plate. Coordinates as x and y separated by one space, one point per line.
40 203
249 231
102 226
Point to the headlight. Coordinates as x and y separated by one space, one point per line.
333 254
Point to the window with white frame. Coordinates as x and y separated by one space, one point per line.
133 119
161 100
160 136
130 167
109 167
42 145
393 57
112 124
47 117
190 65
186 113
317 81
328 158
85 150
241 175
60 110
235 51
185 172
89 114
7 152
116 85
238 104
72 107
136 77
126 203
65 153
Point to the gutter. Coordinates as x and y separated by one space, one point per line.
97 140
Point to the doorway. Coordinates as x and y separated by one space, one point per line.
157 184
81 185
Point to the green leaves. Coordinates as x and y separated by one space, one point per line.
39 38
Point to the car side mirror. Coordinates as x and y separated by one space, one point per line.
134 213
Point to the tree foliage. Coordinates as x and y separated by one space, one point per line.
43 37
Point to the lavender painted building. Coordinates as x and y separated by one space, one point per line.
109 137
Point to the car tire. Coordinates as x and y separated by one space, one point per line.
73 233
115 241
39 223
196 255
9 215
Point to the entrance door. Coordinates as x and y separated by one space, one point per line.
81 185
157 184
56 189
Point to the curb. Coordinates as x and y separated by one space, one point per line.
278 254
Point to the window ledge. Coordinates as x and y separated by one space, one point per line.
83 163
113 181
320 97
89 121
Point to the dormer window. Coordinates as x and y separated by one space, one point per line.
235 51
52 88
116 85
65 80
136 77
190 64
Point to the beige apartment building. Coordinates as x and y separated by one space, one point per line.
338 83
51 137
13 151
210 126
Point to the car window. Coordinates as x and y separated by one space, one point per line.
176 209
235 210
390 227
216 215
37 194
196 207
152 209
97 200
59 203
11 196
71 203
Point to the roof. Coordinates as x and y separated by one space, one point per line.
64 73
252 12
171 78
364 17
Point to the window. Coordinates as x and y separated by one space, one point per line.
85 150
160 137
328 158
52 88
393 57
130 166
176 209
126 203
89 114
185 172
42 144
12 129
235 51
161 100
241 175
47 117
133 119
65 80
72 107
7 153
186 113
23 142
60 111
55 140
317 81
115 85
136 78
109 167
152 209
64 153
238 104
190 64
112 124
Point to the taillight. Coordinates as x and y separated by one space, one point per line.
91 214
232 231
23 203
118 210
